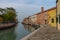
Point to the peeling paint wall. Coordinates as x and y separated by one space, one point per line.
42 18
52 17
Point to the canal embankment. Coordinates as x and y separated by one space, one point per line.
44 33
31 34
8 17
36 26
7 25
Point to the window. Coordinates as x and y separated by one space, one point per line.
56 19
59 19
45 21
52 20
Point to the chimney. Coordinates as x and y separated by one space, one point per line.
42 9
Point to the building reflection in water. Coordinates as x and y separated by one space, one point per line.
29 27
7 34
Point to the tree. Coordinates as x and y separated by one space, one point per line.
2 10
9 15
11 9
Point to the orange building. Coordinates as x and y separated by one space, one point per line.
42 17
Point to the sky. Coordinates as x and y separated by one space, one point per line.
25 8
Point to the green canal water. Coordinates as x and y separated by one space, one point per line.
15 33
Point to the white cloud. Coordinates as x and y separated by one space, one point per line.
17 5
27 7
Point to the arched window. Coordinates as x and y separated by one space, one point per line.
52 20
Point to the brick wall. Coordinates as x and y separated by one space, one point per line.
42 18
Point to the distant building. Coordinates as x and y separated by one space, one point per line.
26 21
33 19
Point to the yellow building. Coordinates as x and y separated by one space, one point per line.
52 17
58 13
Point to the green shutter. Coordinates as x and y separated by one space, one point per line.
59 19
56 19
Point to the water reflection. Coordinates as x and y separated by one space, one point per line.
29 27
20 31
16 33
7 34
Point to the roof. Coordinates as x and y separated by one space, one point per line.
46 10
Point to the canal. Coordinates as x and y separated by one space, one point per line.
16 33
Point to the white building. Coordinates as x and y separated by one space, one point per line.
33 19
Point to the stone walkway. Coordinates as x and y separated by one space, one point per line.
46 33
